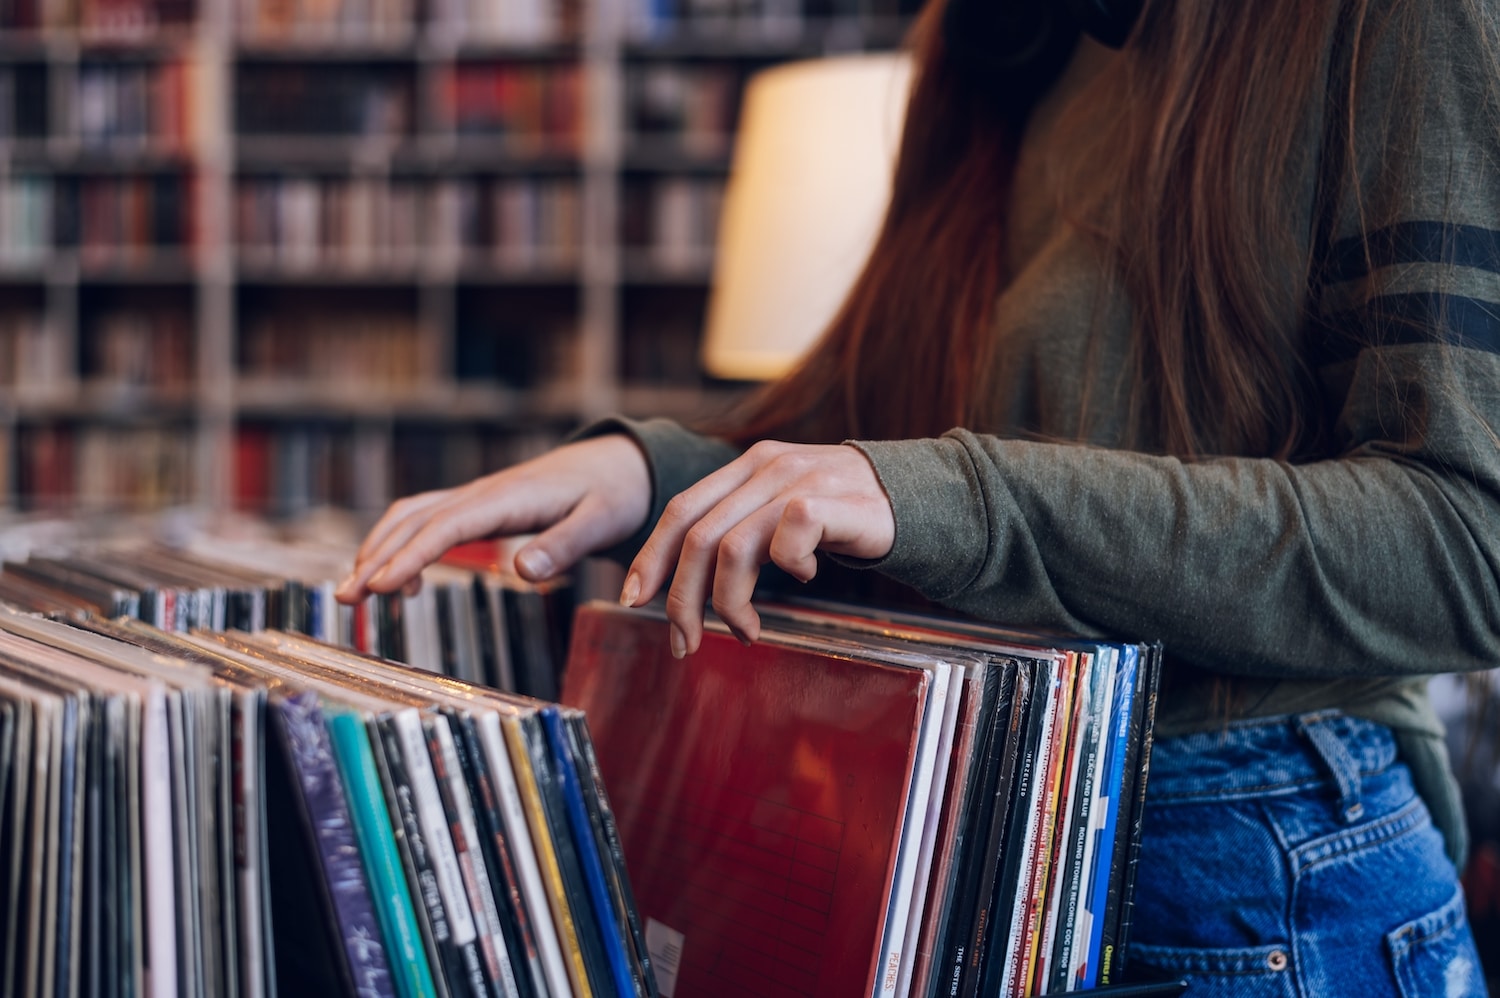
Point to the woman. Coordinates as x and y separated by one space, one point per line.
1219 316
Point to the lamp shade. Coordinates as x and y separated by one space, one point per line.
807 188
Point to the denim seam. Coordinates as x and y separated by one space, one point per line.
1194 960
1350 840
1235 793
1289 916
1445 919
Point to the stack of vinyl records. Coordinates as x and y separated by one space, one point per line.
256 814
860 805
469 619
212 781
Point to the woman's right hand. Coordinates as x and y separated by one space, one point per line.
581 497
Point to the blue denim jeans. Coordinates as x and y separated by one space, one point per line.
1290 857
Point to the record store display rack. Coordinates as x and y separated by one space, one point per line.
214 781
273 254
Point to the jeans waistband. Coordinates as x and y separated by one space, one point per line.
1272 755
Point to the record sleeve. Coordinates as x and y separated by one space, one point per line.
759 793
454 793
455 973
980 687
1030 898
498 856
1107 805
590 864
550 792
1089 743
610 848
978 866
427 688
546 847
439 838
14 835
377 846
1011 827
298 721
1119 900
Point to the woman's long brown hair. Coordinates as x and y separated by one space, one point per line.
1214 118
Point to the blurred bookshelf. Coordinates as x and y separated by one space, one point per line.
283 254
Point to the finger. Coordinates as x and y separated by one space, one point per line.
697 560
788 534
469 515
361 581
741 554
798 534
565 543
659 555
397 515
852 525
721 499
404 518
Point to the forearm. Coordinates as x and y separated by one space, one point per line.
1365 565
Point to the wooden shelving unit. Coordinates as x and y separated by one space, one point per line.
241 236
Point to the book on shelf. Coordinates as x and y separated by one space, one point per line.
130 348
673 222
125 19
507 22
688 109
326 21
495 22
337 349
122 105
536 107
127 219
30 352
507 223
359 223
26 219
325 100
103 467
23 101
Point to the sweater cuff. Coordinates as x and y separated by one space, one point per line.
943 530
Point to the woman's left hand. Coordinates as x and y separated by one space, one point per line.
777 502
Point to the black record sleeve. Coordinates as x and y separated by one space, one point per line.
515 921
611 849
958 934
595 960
1120 898
432 920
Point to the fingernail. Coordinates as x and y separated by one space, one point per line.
376 579
632 590
346 588
535 562
679 642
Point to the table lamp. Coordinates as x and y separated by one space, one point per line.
807 188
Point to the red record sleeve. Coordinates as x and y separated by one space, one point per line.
759 792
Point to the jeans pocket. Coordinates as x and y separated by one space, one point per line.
1240 972
1435 955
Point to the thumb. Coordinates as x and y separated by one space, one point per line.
586 528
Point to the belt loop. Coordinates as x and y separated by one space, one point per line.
1341 765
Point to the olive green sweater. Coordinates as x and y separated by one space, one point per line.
1339 582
